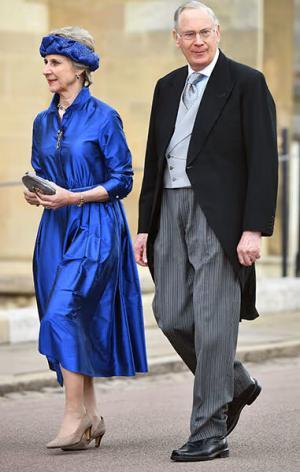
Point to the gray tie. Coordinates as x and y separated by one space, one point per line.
190 92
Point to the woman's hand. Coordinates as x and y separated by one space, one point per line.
31 198
62 198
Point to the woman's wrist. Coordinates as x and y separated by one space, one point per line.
81 201
76 198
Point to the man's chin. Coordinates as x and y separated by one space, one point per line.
199 65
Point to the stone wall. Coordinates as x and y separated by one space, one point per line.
297 70
136 48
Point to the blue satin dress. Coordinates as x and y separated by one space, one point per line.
85 276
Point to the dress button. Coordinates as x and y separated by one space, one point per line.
168 156
117 196
171 168
174 179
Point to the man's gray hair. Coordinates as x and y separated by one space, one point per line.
194 5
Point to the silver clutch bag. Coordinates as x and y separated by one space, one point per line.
33 182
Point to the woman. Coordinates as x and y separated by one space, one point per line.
86 282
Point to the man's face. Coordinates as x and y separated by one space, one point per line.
198 51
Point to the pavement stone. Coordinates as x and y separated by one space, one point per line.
270 336
19 324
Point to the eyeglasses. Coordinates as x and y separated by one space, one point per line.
192 35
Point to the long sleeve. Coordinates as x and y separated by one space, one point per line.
259 129
117 157
150 171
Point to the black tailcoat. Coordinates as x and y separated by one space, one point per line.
232 160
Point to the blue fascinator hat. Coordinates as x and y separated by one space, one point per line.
76 51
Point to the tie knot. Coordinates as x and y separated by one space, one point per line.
194 78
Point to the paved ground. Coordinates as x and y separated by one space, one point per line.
21 366
146 418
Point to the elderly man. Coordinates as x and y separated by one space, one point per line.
208 196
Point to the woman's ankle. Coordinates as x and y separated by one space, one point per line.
93 413
75 411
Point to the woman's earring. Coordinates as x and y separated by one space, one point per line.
77 76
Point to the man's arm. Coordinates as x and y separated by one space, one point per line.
150 171
148 187
259 130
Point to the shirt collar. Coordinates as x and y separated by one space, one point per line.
207 71
80 100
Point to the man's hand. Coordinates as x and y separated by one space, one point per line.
249 247
140 249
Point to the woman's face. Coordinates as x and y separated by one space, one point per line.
60 73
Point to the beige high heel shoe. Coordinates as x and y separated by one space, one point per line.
74 439
97 433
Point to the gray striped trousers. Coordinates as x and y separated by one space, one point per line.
197 306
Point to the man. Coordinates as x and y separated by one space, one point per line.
208 196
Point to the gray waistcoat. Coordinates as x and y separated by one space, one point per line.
175 175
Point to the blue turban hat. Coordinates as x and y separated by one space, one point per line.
78 52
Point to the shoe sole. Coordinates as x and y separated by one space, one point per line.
250 400
217 455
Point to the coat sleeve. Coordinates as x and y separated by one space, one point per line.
117 157
150 171
259 130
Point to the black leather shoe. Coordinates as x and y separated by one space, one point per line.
202 450
235 407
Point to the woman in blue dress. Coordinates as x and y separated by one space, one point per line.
86 280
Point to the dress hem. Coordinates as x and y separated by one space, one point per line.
56 362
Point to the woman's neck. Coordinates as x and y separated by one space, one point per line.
67 98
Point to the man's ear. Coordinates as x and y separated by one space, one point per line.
176 38
218 33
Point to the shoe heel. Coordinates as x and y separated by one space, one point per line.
224 454
88 433
254 395
98 440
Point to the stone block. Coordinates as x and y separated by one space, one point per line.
21 15
276 295
23 324
4 329
19 224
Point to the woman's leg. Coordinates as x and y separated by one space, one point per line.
90 401
74 402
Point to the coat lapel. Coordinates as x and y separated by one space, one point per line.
169 108
216 94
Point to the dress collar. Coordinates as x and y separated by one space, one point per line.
79 101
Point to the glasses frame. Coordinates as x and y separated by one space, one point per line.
204 34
